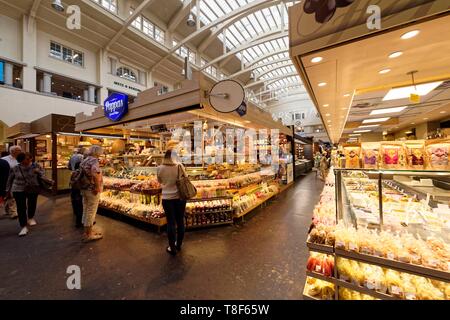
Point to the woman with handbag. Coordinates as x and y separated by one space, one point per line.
173 179
23 183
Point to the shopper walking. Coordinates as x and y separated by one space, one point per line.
23 184
174 207
75 194
324 167
10 202
4 174
90 191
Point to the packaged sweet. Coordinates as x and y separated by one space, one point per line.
392 155
438 155
370 155
352 157
415 154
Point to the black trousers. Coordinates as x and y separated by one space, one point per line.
26 206
174 210
77 205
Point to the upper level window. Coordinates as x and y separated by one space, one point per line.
110 5
126 74
66 54
143 24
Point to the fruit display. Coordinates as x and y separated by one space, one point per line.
321 263
244 181
211 188
147 185
319 289
200 207
401 285
117 183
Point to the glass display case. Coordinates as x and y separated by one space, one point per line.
395 200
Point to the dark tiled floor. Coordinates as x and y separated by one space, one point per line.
261 259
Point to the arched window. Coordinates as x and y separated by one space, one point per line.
126 74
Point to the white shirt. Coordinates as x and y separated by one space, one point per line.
11 160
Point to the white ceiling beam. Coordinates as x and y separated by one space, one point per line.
268 36
231 15
234 75
291 85
179 16
33 12
268 55
255 83
205 43
128 22
275 68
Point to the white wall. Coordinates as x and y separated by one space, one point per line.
10 38
30 106
85 73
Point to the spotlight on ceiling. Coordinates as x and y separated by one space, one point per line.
57 5
191 20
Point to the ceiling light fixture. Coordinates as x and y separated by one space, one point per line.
425 118
326 105
346 95
384 71
354 134
370 126
327 115
405 92
322 84
387 110
376 120
410 34
57 5
396 54
362 131
443 112
316 59
191 20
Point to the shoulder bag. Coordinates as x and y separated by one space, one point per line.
185 187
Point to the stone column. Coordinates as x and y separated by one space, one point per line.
91 94
85 95
47 83
29 44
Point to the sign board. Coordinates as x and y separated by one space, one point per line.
2 72
159 128
116 106
414 98
289 173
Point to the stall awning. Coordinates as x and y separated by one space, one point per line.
28 136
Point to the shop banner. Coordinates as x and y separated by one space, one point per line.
2 76
116 106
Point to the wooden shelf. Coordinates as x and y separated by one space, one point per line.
396 265
150 192
322 248
320 276
209 212
360 289
209 199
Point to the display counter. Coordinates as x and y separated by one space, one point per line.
302 167
374 239
135 192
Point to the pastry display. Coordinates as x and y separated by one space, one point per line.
415 153
401 285
321 263
319 289
393 155
370 155
208 206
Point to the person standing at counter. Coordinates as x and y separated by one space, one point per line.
90 191
10 202
174 207
75 193
23 184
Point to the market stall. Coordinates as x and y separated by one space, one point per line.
232 179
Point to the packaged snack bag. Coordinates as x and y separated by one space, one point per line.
392 155
438 154
352 157
415 154
370 155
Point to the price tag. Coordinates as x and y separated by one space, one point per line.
318 268
396 290
390 256
410 296
352 246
